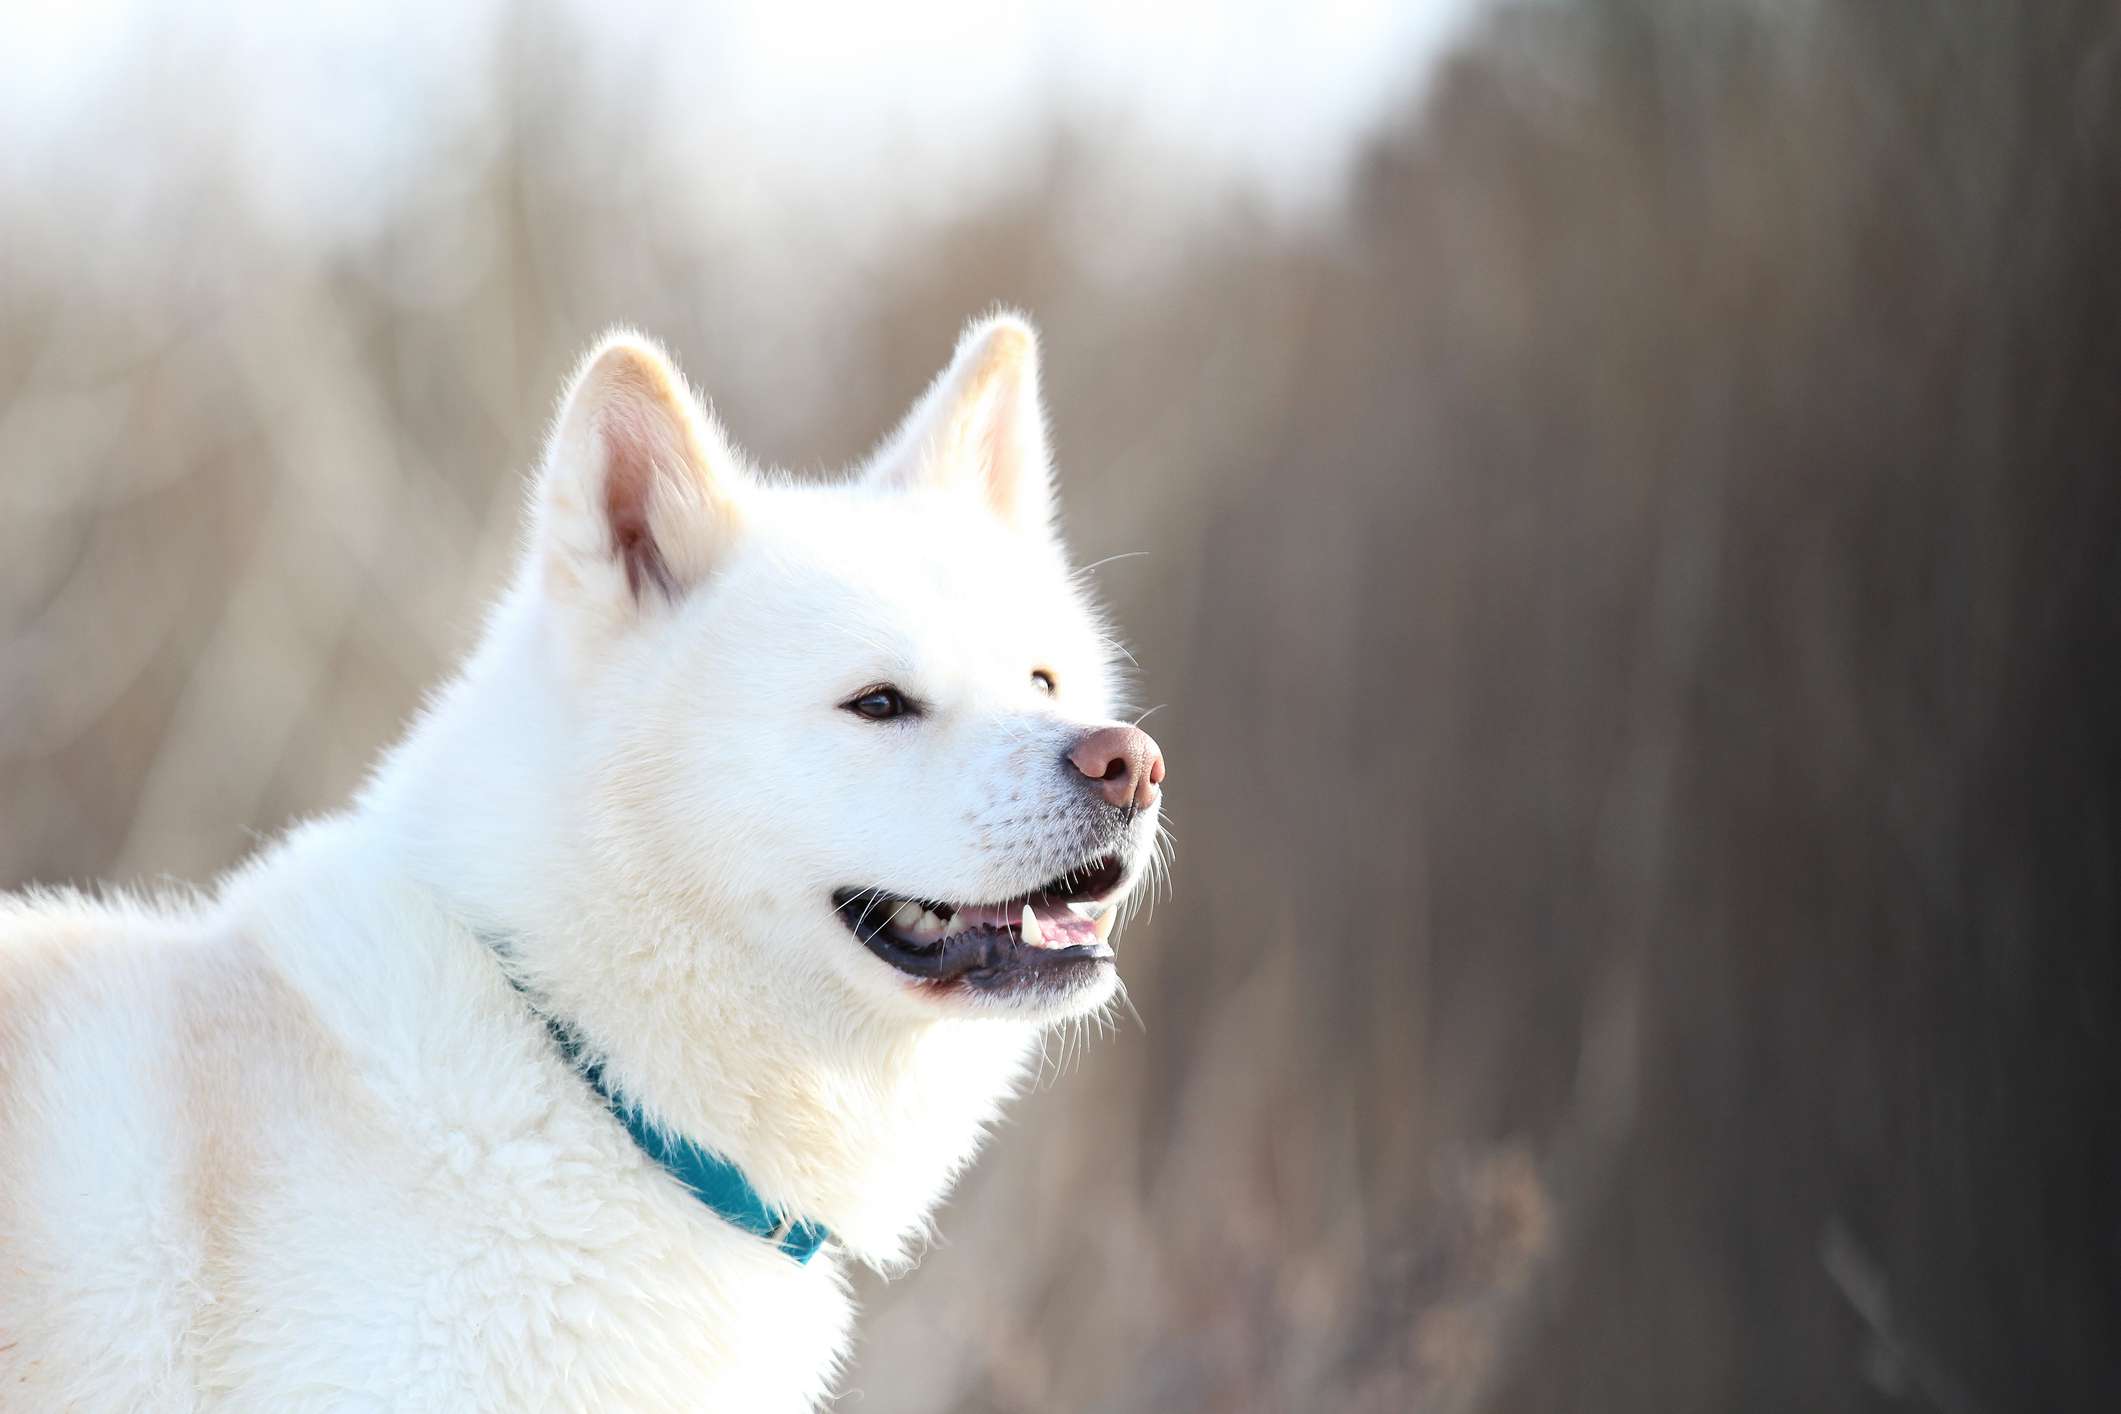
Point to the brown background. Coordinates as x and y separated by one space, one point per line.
1632 600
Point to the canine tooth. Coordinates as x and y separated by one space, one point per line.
1030 928
1105 922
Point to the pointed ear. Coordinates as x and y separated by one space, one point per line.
640 491
981 429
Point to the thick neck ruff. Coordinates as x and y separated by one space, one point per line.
712 1179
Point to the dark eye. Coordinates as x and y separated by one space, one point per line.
880 703
1043 680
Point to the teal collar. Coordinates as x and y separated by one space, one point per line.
713 1180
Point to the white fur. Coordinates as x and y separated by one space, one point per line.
302 1145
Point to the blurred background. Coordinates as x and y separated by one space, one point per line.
1621 509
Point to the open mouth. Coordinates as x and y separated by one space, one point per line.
1056 933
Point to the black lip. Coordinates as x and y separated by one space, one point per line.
987 959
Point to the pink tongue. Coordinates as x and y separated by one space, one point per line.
1057 927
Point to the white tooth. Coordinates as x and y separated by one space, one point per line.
906 915
1105 922
932 922
1030 929
1088 912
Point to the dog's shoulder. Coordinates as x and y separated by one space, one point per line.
55 942
90 981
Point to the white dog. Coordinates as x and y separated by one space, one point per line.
678 955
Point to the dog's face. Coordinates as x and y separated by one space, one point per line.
860 734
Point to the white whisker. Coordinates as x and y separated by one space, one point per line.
1100 564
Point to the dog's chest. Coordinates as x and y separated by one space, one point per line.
517 1257
518 1303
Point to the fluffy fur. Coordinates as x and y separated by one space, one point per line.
302 1144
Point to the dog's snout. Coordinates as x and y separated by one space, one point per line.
1123 763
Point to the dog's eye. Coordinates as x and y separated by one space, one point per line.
880 703
1043 681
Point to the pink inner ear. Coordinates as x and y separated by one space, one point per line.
999 427
994 446
629 495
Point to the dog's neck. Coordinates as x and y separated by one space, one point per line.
836 1113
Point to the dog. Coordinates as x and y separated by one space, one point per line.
675 960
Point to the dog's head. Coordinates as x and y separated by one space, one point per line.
860 733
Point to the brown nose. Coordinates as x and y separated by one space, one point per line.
1124 762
